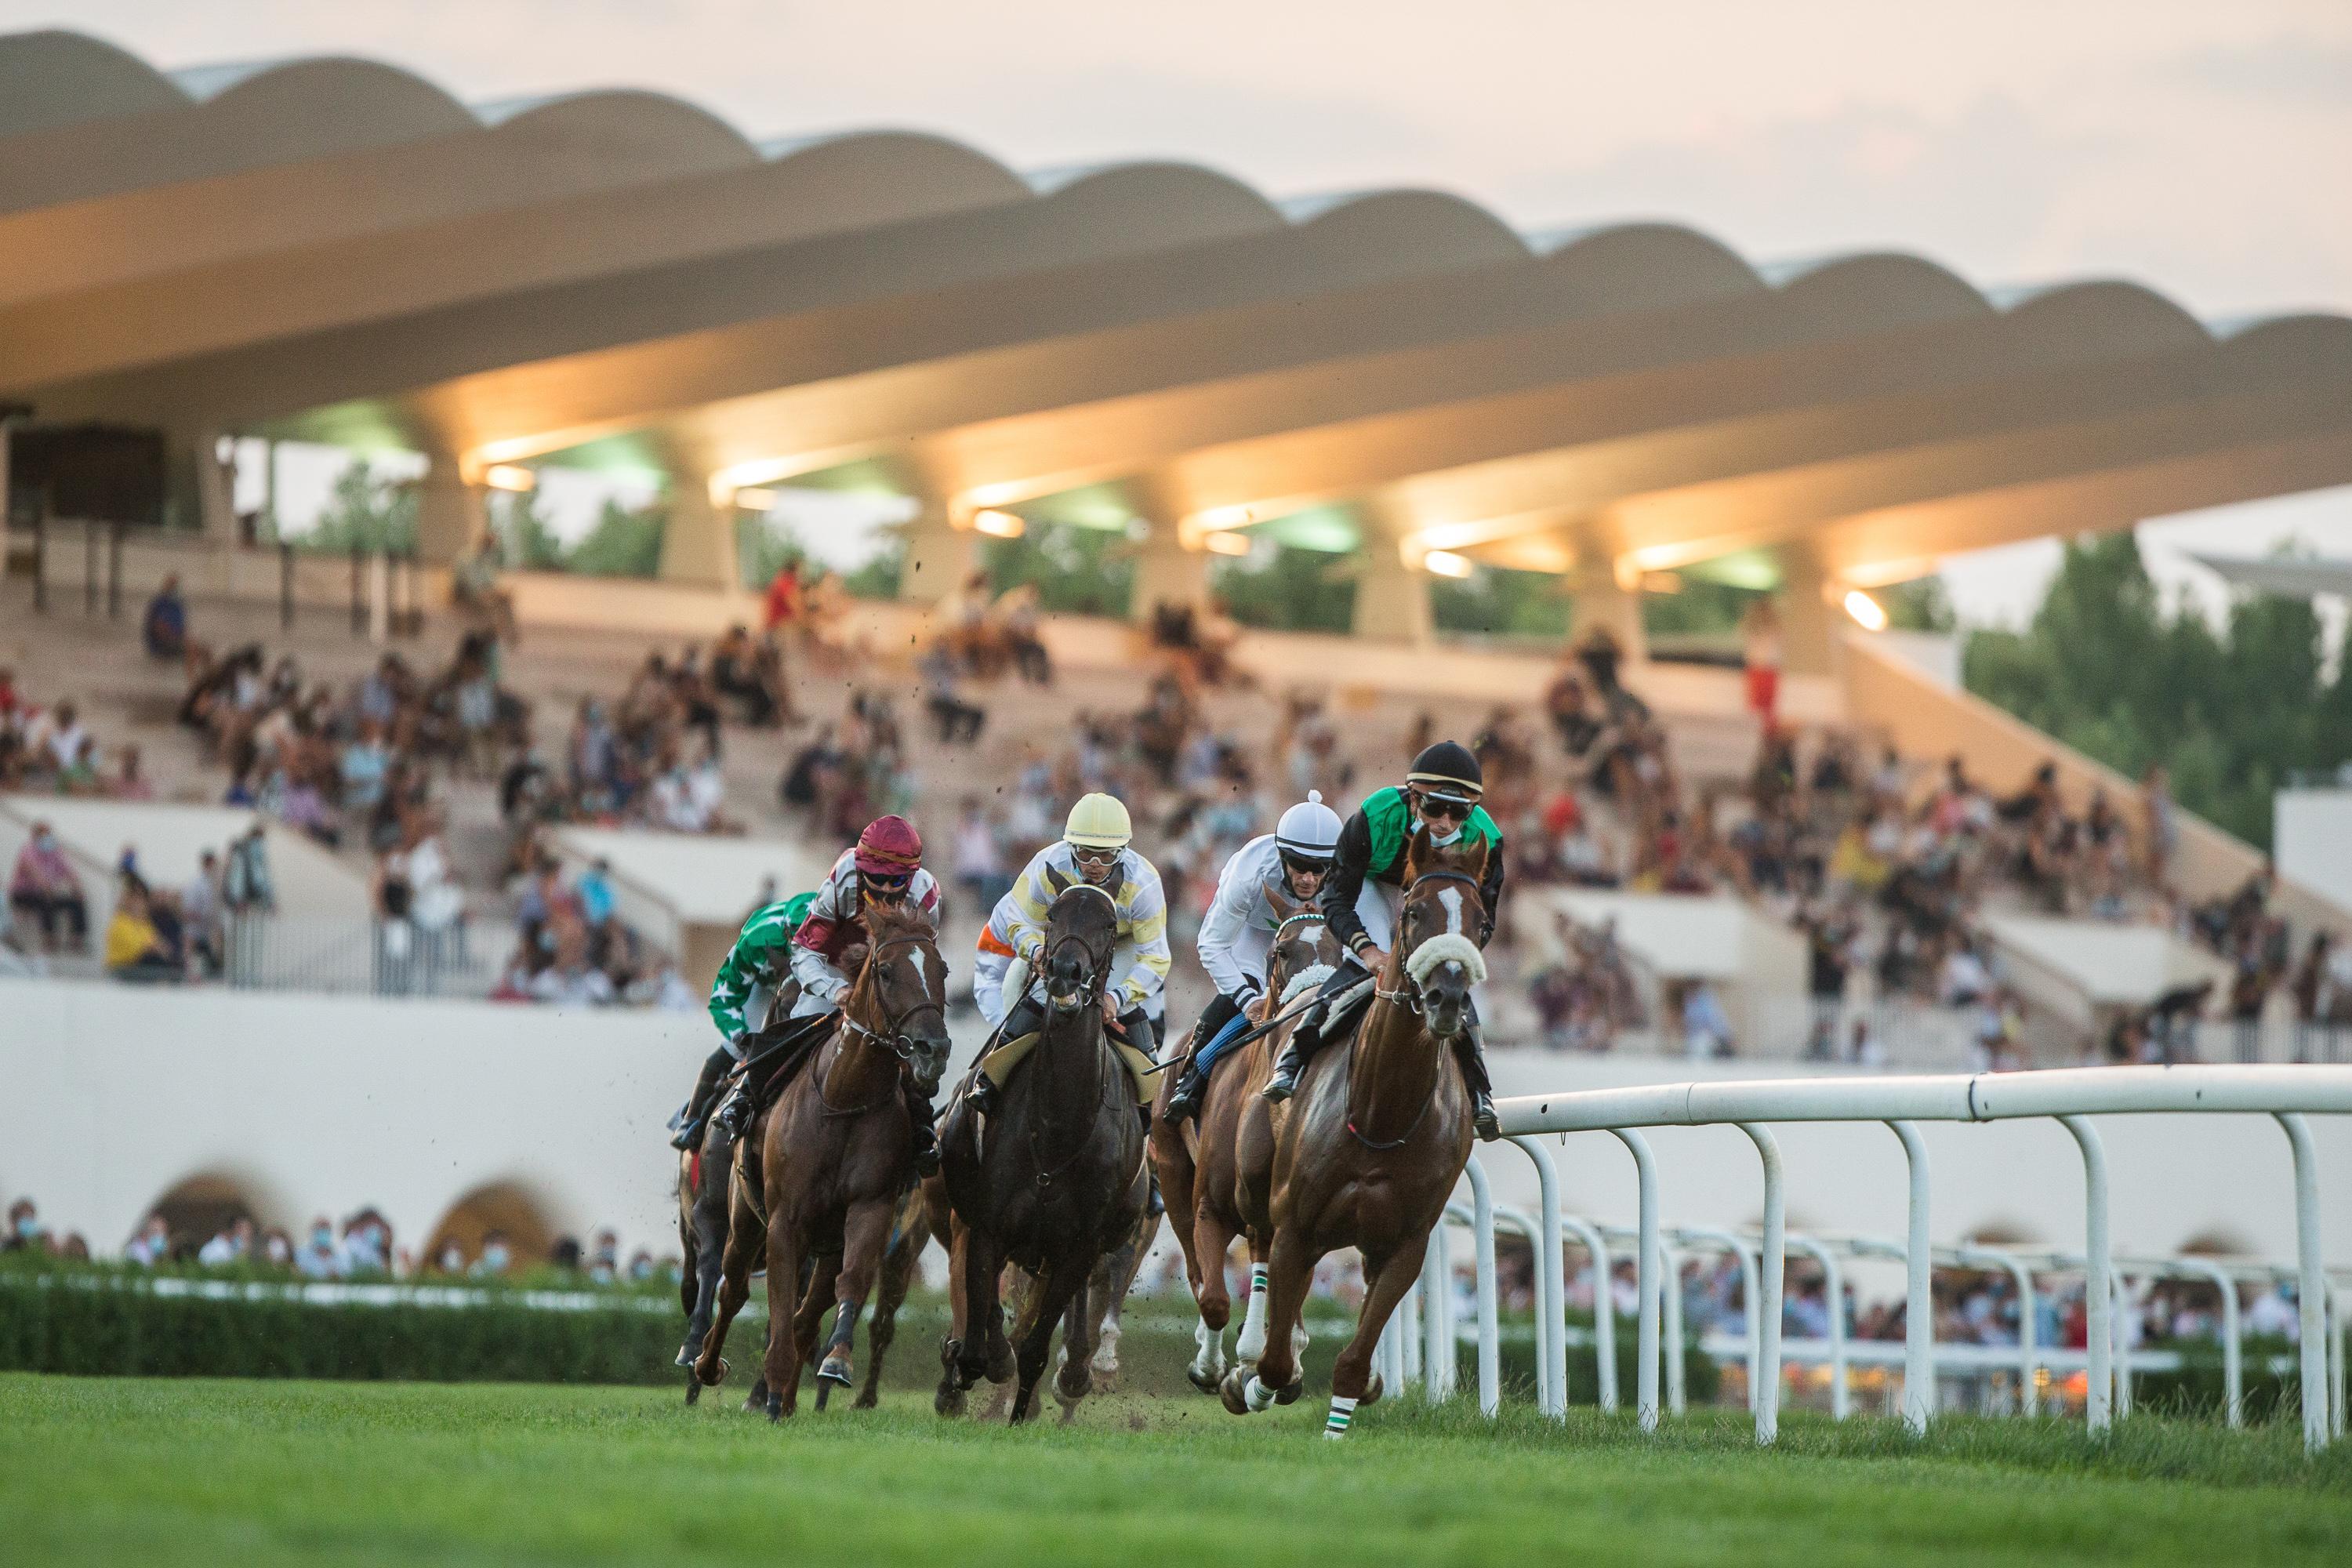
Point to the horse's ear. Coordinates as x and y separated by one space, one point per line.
1055 882
1417 851
1279 900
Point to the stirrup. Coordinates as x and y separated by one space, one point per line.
1284 1082
982 1093
1483 1120
689 1134
1184 1101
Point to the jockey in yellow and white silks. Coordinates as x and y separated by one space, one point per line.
1094 848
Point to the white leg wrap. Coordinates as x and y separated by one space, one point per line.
1106 1350
1211 1361
1252 1345
1343 1411
1257 1395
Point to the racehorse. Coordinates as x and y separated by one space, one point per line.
1058 1180
912 1229
1367 1152
1202 1176
835 1152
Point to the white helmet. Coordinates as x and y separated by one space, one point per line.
1310 830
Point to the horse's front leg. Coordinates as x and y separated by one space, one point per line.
1075 1380
785 1353
865 1231
1034 1336
1352 1383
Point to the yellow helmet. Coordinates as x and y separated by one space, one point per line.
1098 822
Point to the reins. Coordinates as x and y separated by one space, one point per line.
1407 999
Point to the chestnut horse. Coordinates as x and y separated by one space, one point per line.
1367 1152
1202 1177
1057 1181
835 1152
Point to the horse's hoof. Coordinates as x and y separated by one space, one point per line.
1290 1396
1234 1391
836 1369
866 1401
1372 1391
1206 1382
704 1373
686 1354
775 1407
948 1401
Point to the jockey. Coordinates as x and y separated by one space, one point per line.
996 966
795 948
1440 793
1095 848
1237 934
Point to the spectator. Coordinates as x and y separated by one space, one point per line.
320 1257
979 859
1760 651
135 950
245 886
44 890
496 1257
65 737
152 1247
25 1233
230 1245
200 915
605 1263
165 627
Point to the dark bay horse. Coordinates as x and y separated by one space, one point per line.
836 1153
1200 1175
1367 1152
1054 1182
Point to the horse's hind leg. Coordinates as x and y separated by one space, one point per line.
1075 1380
1034 1336
1212 1239
972 1266
745 1236
816 1295
705 1259
897 1272
1289 1267
1251 1346
785 1351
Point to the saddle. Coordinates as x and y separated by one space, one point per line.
776 1055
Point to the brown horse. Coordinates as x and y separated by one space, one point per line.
1367 1152
1058 1180
835 1152
1208 1202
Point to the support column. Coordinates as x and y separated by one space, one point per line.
1392 597
698 538
1809 633
1166 572
940 555
199 490
1597 598
451 515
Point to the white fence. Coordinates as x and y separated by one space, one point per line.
2071 1097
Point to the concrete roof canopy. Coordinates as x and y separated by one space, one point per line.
55 78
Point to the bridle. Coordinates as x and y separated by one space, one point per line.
1408 996
892 1037
1097 965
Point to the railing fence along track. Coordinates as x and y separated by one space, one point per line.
1420 1336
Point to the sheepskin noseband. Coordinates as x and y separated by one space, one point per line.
1446 947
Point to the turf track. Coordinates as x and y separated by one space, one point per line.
252 1473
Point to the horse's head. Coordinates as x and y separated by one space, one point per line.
1081 932
1303 952
1438 928
901 993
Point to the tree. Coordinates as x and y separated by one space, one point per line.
1288 590
526 540
2108 668
1077 571
364 513
624 543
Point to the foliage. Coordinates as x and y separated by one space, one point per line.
2108 668
364 513
1700 606
1077 571
1501 602
625 542
163 1473
526 540
1920 605
1287 590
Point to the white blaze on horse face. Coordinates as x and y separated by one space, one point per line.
1452 899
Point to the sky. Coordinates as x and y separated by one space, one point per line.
2201 148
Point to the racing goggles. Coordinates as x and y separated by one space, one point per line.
1097 857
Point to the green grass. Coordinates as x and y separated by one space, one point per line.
161 1472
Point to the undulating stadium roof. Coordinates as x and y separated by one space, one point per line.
337 249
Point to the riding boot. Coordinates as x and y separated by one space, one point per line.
733 1112
1470 1049
1304 1043
690 1120
1184 1101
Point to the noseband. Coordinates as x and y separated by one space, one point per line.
892 1037
1408 996
1097 965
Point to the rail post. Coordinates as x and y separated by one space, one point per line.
1437 1317
1604 1307
1670 1266
1833 1283
2311 1282
1646 1282
1551 1280
2099 1266
1772 1268
1481 1233
1526 1224
1919 1307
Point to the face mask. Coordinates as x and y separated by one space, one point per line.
494 1256
27 1227
322 1237
1440 840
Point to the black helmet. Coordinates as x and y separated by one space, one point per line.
1447 769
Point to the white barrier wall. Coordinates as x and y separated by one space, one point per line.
112 1095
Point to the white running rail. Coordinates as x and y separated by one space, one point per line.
2069 1096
